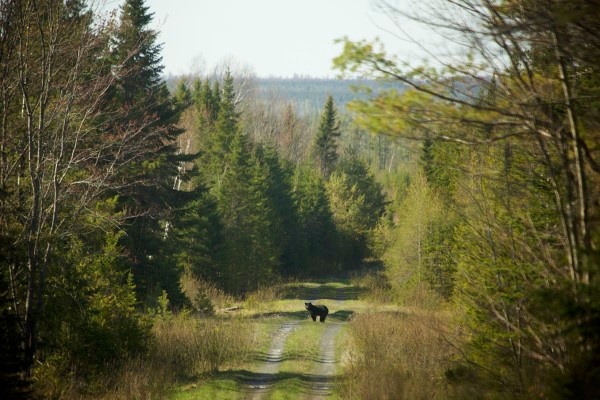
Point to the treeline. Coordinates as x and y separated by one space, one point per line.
113 192
307 95
499 216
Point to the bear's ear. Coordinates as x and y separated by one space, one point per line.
306 304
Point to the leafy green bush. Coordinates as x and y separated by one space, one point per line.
92 323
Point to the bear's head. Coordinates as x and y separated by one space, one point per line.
307 305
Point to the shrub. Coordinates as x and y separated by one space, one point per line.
182 347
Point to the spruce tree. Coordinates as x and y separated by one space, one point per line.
225 129
246 214
325 145
183 96
316 221
239 180
284 222
149 194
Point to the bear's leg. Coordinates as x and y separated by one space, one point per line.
313 316
322 318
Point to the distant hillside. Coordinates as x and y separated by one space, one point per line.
309 94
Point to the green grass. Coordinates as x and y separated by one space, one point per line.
214 389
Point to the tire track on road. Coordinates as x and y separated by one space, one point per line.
325 372
259 387
321 388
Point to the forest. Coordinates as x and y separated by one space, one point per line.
136 213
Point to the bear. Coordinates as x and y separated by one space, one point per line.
315 310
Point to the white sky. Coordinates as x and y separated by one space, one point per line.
273 37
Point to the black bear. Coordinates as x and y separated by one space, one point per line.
315 310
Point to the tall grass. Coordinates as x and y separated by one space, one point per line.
183 347
395 356
263 296
191 346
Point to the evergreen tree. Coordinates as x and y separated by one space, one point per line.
182 96
99 325
206 102
357 204
284 223
317 230
137 57
149 195
246 213
227 121
198 237
325 145
225 129
240 178
216 99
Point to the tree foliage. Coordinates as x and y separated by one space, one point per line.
357 203
150 196
521 187
80 156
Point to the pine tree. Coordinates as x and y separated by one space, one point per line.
325 144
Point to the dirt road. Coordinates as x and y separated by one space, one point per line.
316 378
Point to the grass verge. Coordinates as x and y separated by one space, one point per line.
395 355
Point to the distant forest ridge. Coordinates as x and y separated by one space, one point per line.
308 95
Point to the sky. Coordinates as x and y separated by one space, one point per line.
273 38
